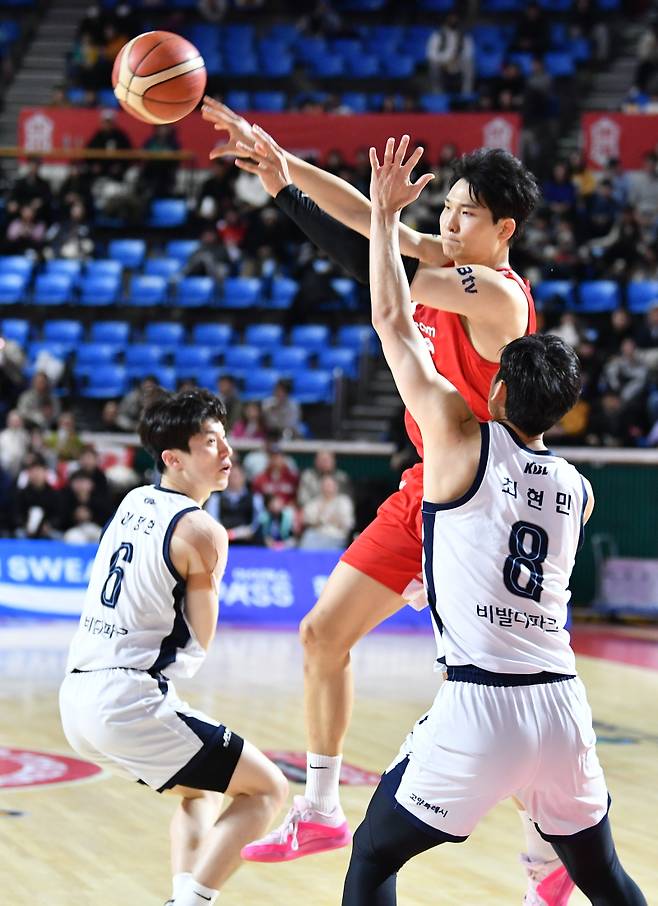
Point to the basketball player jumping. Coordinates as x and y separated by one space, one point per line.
502 519
469 304
149 614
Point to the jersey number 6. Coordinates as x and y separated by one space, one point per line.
530 557
112 585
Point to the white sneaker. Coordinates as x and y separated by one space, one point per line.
549 883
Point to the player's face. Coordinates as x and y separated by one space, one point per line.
208 464
468 232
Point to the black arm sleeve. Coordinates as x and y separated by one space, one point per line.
343 245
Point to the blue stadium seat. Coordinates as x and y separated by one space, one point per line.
208 377
103 267
366 66
642 295
313 387
105 382
289 359
270 101
181 249
502 6
107 98
599 296
130 252
361 337
310 47
54 347
69 266
264 336
16 264
101 289
326 66
559 64
488 37
166 334
523 61
147 289
162 267
435 6
167 213
16 329
12 288
282 292
346 360
242 358
259 383
53 289
145 355
435 103
190 359
551 290
488 63
346 289
195 292
362 6
166 377
238 100
116 333
240 292
90 355
219 336
68 331
237 62
286 32
312 337
357 101
276 67
398 66
556 6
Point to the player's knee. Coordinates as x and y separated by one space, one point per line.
320 639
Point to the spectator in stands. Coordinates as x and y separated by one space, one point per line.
583 177
65 441
608 423
621 182
539 113
158 177
647 333
647 56
559 191
644 187
14 443
213 10
569 329
109 417
130 407
250 424
586 23
232 229
562 260
210 259
86 66
451 58
322 21
70 238
310 480
623 249
36 504
328 518
31 190
109 137
216 190
227 391
88 465
7 491
12 362
620 328
38 405
59 98
281 413
279 523
508 88
600 212
84 511
76 188
25 232
627 374
278 478
266 240
238 509
532 31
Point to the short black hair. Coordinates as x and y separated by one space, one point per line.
543 380
500 181
172 419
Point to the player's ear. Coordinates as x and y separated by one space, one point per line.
507 228
498 396
171 459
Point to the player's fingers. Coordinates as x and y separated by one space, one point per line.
218 108
374 162
413 160
222 151
421 182
388 150
402 150
265 136
247 165
243 150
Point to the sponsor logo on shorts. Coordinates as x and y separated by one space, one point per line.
227 738
23 768
423 803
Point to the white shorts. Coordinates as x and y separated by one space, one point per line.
135 725
480 744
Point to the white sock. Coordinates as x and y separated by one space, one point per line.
322 777
195 894
536 847
179 882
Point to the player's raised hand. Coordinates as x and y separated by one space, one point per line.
226 120
266 159
391 188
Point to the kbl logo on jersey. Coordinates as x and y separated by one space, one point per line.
535 468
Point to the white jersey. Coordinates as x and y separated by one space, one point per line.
133 612
497 562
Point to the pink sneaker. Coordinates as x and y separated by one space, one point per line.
304 831
548 883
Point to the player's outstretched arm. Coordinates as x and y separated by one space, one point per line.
199 548
333 195
430 398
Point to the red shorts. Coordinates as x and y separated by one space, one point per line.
389 550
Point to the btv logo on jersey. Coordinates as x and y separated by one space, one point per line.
533 468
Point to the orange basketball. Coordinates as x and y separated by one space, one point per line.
159 77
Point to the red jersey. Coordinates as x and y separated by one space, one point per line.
455 358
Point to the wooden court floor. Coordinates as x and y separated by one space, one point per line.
104 841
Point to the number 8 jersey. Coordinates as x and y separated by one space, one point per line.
133 616
497 562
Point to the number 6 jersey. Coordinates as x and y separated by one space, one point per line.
133 614
497 562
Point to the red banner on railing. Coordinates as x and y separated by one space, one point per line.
626 136
44 129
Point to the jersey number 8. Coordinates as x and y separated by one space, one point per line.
530 557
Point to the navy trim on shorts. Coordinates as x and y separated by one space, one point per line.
390 782
428 507
214 764
567 838
469 673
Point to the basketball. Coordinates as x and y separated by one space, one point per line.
159 77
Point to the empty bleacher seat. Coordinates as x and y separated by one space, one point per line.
240 292
167 213
101 289
361 337
105 382
366 66
554 291
190 359
208 377
264 336
12 288
488 63
145 355
89 355
599 296
435 103
346 360
310 336
166 377
147 289
104 267
195 292
270 101
219 336
130 252
166 334
67 331
162 267
181 249
238 100
16 329
282 292
242 358
559 64
289 359
56 348
70 266
115 332
398 66
16 264
313 386
53 289
357 101
642 295
260 382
